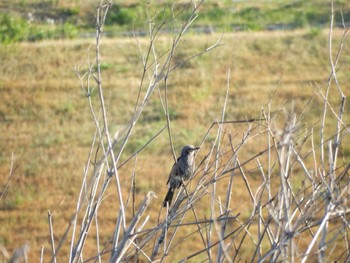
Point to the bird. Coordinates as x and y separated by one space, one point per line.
181 171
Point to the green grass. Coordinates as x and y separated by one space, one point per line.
34 21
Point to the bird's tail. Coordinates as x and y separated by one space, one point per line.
169 197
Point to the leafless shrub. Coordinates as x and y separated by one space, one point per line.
302 196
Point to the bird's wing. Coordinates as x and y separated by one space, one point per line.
173 172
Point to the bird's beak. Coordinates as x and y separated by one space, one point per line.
196 148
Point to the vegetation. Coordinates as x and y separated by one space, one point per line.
277 78
33 21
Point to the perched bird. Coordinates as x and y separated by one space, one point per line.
182 170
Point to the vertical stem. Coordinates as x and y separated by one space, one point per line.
52 240
222 244
168 119
100 22
42 254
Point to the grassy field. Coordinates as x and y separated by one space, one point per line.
33 20
46 122
47 125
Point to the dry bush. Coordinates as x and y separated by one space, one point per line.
296 183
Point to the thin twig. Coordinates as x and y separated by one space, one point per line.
52 240
11 173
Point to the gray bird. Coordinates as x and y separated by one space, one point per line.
182 170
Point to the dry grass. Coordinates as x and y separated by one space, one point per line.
46 122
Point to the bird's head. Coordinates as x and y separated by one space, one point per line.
188 149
